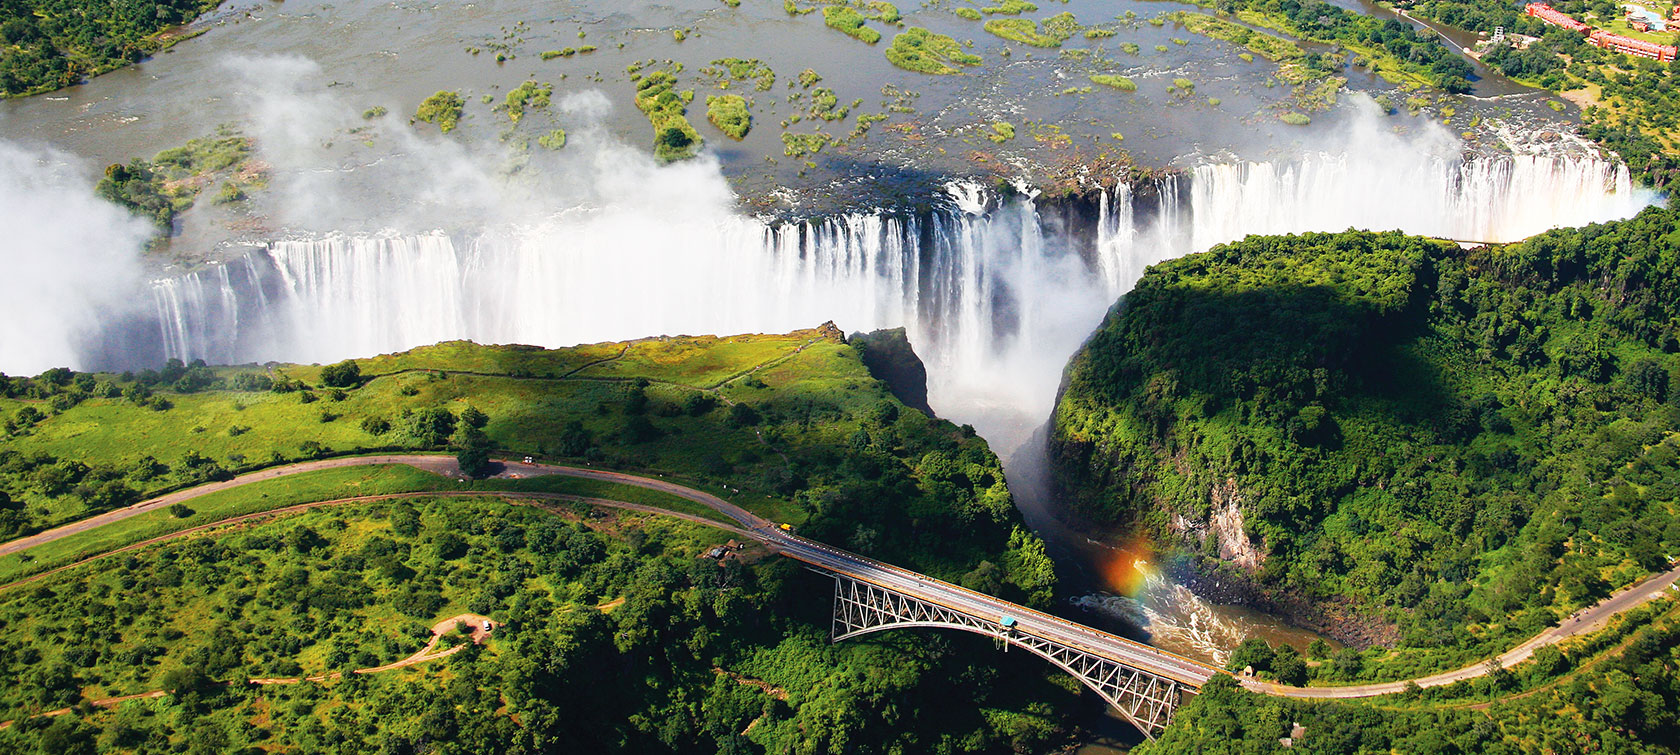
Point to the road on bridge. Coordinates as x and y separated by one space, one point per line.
1028 621
824 557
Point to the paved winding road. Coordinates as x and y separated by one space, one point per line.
1583 622
440 464
951 596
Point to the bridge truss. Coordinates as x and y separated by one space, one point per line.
1144 699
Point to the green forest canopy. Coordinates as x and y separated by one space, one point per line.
616 636
51 44
1468 444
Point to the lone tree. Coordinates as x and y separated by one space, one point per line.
345 374
472 451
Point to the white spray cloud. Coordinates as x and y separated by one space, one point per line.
325 179
426 236
70 259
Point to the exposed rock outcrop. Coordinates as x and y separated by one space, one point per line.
1226 523
892 360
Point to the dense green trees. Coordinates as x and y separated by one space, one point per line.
49 44
161 188
1414 51
1466 444
1625 703
616 637
345 374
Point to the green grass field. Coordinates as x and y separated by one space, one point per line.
310 487
611 491
792 427
250 429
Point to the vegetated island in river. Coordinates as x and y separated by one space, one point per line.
52 44
612 631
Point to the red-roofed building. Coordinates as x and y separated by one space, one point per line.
1631 46
1551 16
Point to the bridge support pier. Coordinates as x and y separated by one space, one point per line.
1144 699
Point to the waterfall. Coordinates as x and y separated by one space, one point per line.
1484 199
995 297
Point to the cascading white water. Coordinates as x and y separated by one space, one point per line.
993 301
1489 200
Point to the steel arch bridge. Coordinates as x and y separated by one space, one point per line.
1144 699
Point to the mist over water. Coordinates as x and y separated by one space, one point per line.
996 292
71 262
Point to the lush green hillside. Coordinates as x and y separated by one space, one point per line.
1392 438
617 636
50 44
1615 693
794 425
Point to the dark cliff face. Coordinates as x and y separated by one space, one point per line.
892 360
1075 216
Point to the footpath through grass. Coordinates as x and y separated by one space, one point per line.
792 426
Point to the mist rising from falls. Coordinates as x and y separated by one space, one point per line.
70 260
973 287
996 292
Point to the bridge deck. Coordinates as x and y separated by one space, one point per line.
1137 655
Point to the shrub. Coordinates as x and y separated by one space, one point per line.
728 112
1111 80
850 22
443 109
743 415
345 374
527 95
697 404
252 381
923 51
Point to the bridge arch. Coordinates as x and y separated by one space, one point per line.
1145 700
